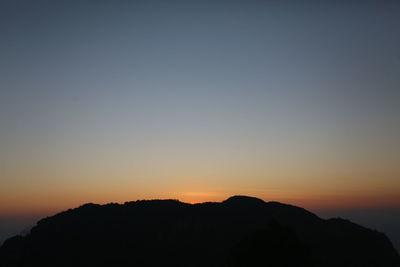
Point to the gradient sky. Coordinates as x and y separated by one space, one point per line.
109 101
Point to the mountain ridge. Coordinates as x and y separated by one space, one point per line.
239 231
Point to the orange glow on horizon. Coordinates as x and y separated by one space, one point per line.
48 205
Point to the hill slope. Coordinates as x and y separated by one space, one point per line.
240 231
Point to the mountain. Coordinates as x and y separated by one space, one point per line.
240 231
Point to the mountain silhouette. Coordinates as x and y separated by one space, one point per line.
240 231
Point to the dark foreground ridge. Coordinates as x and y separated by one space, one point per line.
240 231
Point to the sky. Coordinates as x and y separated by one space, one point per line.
112 101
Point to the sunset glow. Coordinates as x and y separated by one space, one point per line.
115 102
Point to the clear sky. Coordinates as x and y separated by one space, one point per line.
109 101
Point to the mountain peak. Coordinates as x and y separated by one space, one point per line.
243 201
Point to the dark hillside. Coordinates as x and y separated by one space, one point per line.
240 231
